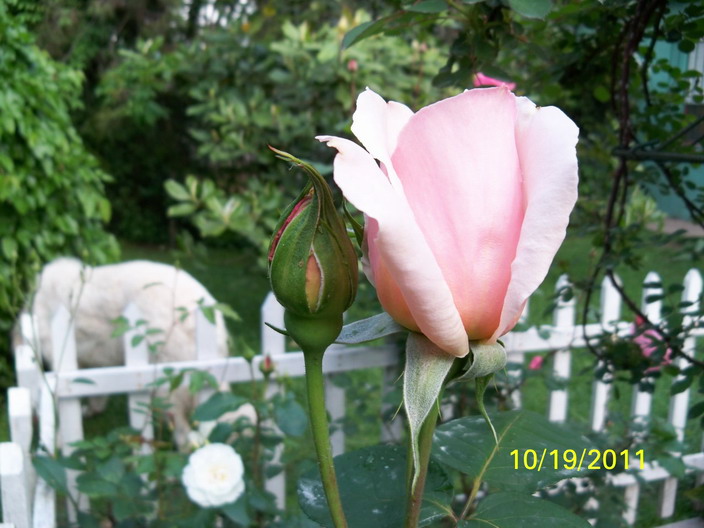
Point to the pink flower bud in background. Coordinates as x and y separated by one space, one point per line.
536 363
266 367
647 340
352 65
484 80
466 211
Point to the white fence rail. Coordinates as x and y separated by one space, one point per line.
55 396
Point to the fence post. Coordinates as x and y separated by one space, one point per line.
19 407
206 335
27 357
44 511
515 362
677 414
28 330
610 315
206 344
16 505
335 399
563 319
63 346
137 354
274 344
27 371
642 400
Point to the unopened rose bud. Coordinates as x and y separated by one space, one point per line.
266 367
352 65
312 264
536 363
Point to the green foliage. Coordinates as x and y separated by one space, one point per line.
465 445
132 480
373 487
52 472
52 198
511 510
373 480
251 213
290 415
226 97
217 405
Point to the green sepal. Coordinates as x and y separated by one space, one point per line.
281 331
369 329
356 226
486 359
481 384
427 367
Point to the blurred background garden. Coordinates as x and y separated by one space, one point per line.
139 129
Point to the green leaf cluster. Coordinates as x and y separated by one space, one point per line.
52 197
373 481
209 106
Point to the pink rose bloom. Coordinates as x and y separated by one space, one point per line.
647 340
536 363
465 210
484 80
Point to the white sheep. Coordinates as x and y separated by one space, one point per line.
166 297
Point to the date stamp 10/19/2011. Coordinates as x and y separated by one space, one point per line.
570 459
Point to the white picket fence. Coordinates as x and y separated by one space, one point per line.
27 501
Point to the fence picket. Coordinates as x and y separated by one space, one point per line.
273 343
137 354
206 347
28 330
335 400
273 346
677 414
206 337
610 315
44 511
563 317
63 343
16 504
642 399
514 367
27 370
19 406
28 357
391 431
514 370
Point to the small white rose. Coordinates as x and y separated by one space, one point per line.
214 475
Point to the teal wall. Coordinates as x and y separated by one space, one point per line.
671 204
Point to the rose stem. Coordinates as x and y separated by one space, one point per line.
315 386
425 442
